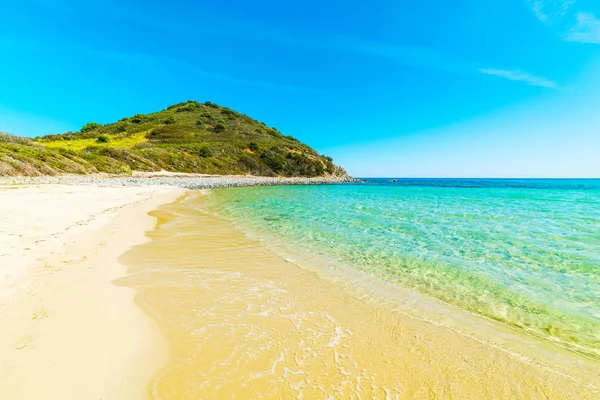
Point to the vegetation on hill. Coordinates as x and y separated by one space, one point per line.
22 156
185 137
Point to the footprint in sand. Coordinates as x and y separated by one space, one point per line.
51 268
39 314
24 342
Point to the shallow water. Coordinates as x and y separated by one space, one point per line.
244 323
524 252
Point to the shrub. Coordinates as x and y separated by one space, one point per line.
273 160
102 139
170 120
6 138
90 126
253 146
205 152
168 134
230 114
209 104
137 118
188 107
219 127
121 127
176 105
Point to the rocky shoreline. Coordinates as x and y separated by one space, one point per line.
186 181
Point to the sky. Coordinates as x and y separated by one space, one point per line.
429 88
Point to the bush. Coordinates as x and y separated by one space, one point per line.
90 126
230 114
188 107
6 138
274 161
219 127
205 152
121 127
253 146
102 139
170 120
137 118
176 105
209 104
168 134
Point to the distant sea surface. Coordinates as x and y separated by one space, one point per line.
523 252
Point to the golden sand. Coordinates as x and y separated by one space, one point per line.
244 323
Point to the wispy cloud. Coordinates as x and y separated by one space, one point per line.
416 56
548 10
571 24
168 64
155 64
402 54
424 57
537 6
586 30
520 76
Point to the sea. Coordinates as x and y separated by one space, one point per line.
524 252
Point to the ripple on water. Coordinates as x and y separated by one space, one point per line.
523 252
244 323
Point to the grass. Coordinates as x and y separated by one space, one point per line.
126 142
21 156
185 137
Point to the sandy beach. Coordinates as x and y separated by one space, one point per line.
143 292
67 331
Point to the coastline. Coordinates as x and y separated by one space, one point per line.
168 179
113 304
231 302
68 331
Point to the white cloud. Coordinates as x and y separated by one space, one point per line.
537 6
548 10
586 30
520 76
558 14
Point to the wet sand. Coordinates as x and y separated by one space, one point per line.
244 323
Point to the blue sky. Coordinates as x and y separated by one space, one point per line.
391 88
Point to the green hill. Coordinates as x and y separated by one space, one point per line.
187 137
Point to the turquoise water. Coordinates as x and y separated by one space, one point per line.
524 252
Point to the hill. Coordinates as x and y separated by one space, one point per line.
186 137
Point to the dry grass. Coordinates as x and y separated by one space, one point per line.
6 138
